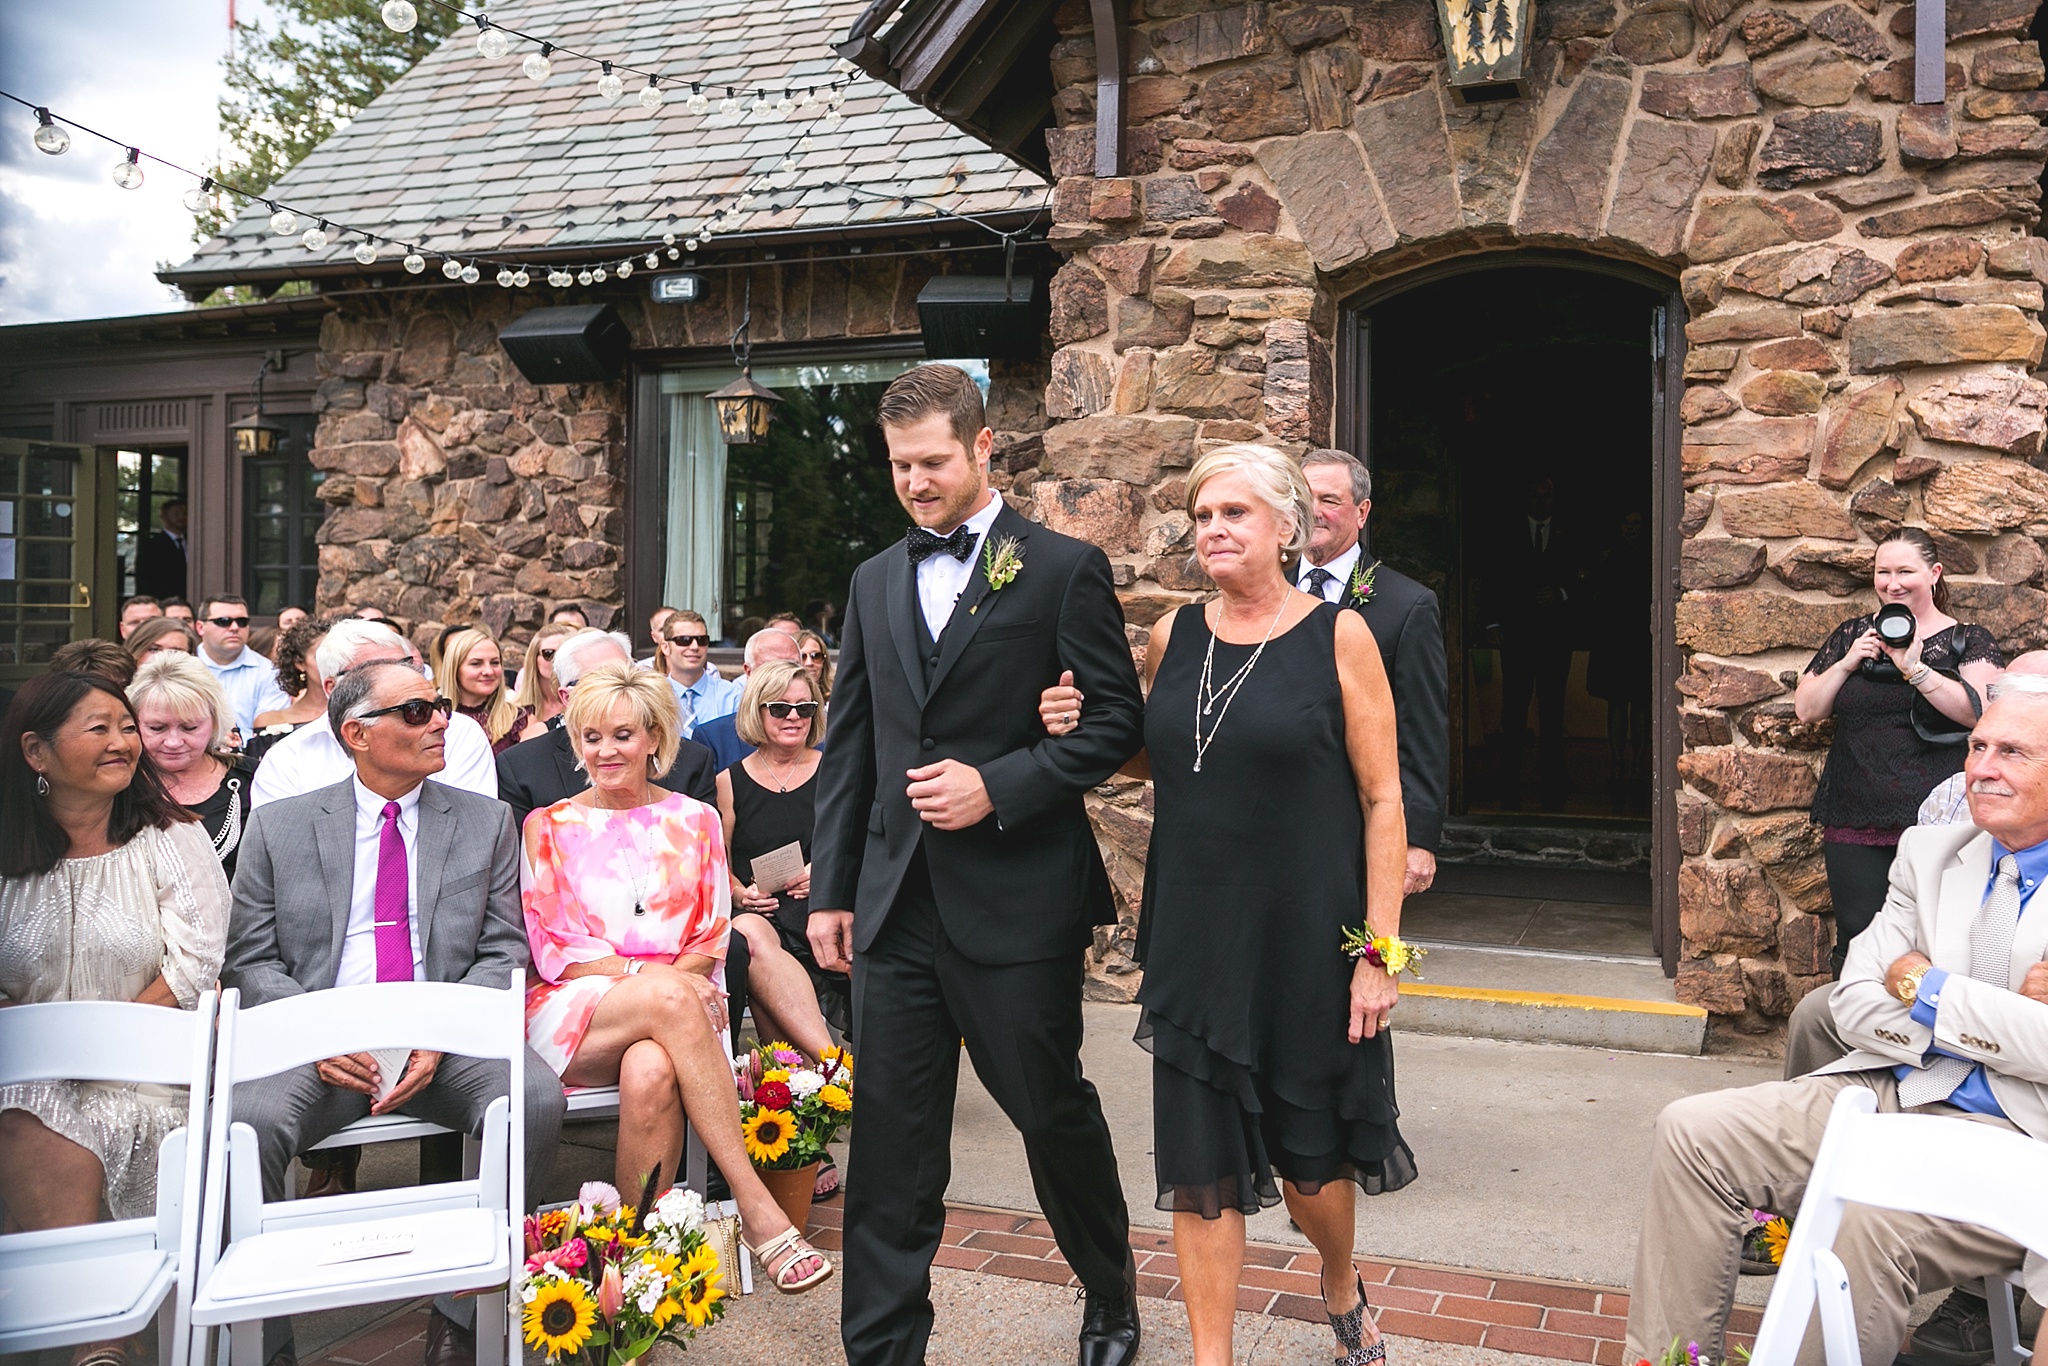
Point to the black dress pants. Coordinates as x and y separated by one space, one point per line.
1859 879
915 997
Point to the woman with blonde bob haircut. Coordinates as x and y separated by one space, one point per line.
1271 1056
183 719
471 672
628 906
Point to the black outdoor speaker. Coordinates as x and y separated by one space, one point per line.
976 316
573 345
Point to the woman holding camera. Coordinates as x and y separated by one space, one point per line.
1903 700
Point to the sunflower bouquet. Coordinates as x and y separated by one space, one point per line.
789 1110
603 1282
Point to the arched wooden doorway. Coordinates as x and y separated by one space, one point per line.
1481 391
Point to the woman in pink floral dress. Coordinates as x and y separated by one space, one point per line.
628 908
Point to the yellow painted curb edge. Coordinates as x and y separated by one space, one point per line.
1556 999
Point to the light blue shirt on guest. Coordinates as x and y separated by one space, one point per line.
250 682
709 698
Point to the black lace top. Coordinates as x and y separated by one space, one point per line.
1879 769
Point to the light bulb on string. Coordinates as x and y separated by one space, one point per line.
537 66
745 202
653 260
784 105
789 162
283 222
691 243
625 270
414 263
698 101
452 268
608 83
597 273
365 253
830 121
760 105
504 277
50 139
730 105
561 279
316 237
199 199
400 16
470 274
583 276
806 143
128 171
809 107
520 279
491 42
651 97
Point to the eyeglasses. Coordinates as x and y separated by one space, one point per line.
415 712
782 711
689 640
548 655
229 623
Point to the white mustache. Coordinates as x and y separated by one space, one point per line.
1986 788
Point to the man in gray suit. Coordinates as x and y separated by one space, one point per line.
384 877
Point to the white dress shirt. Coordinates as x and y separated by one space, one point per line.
941 579
310 758
1340 570
359 945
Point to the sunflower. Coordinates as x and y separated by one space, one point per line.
559 1318
700 1281
835 1098
767 1134
665 1310
1777 1234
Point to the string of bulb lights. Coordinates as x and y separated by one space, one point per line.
51 138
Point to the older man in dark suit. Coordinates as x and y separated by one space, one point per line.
384 877
1405 622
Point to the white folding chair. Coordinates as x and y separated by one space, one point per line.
1924 1164
263 1259
99 1282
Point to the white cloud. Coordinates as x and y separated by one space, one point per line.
72 243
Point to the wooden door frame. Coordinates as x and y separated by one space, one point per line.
1667 383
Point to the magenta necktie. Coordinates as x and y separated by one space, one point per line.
393 915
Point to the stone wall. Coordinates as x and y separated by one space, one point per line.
1864 304
460 492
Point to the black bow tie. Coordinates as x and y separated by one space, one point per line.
925 544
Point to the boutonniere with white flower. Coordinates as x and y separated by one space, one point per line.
1358 592
1001 562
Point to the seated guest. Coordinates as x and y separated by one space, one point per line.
626 911
263 640
93 656
135 611
569 614
160 635
288 617
472 676
425 880
545 770
533 686
657 621
183 717
701 691
312 757
768 801
299 676
108 892
1941 1001
181 610
816 656
248 678
721 735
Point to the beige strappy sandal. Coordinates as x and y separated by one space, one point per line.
779 1257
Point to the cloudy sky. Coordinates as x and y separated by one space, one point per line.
73 244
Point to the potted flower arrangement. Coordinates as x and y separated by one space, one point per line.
789 1112
604 1281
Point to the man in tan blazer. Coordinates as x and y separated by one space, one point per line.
1944 1003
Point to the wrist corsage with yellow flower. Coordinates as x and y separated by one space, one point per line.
1389 953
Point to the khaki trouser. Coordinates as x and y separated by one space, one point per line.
1811 1039
1722 1154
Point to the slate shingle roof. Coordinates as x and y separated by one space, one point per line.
467 156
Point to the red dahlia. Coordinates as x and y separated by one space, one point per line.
772 1095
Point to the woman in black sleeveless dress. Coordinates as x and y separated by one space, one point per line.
1278 826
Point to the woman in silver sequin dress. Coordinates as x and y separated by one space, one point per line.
109 891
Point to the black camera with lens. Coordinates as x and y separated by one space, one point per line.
1895 626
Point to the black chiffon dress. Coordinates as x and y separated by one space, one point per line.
1257 867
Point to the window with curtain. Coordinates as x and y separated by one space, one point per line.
755 530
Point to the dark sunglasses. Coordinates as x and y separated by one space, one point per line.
689 640
416 712
547 654
810 656
782 711
229 623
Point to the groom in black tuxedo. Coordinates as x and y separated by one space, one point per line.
955 874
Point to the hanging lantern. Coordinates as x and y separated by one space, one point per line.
257 434
744 410
1485 44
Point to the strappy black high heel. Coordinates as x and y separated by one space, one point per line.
1350 1331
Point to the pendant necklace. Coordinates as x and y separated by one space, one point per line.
775 771
645 861
1207 695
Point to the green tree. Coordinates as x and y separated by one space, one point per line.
293 83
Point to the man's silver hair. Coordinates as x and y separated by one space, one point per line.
357 689
752 654
347 639
2018 685
567 667
1361 477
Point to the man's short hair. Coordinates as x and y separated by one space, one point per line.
1361 477
917 394
568 668
764 637
348 638
140 600
108 659
212 600
353 695
686 615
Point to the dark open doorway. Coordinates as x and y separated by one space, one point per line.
1513 416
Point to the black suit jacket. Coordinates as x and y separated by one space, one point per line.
542 771
1027 883
160 569
1409 629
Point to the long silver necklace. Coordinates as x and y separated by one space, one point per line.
642 873
1207 695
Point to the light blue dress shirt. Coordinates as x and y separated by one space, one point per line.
709 698
250 682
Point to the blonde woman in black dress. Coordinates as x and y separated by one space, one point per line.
1269 732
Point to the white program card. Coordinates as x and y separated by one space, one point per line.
778 868
390 1068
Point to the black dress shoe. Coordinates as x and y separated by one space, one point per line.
1109 1330
448 1342
1957 1334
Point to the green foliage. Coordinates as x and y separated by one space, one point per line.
292 84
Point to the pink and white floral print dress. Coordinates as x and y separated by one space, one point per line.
647 883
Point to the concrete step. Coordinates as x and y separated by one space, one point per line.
1613 1002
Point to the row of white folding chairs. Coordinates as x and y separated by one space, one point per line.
217 1257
